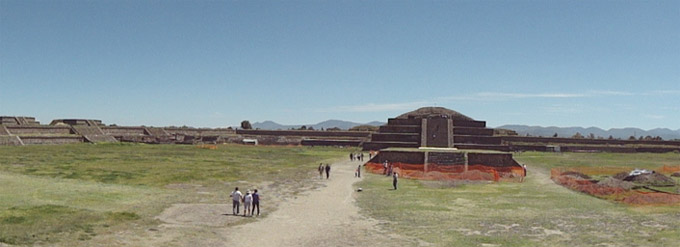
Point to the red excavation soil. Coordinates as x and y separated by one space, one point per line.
617 185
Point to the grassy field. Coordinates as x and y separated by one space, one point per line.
536 212
71 193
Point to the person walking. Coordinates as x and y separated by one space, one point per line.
236 197
351 156
362 156
395 178
247 203
385 167
256 203
328 170
359 171
321 170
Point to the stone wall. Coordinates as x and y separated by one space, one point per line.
472 131
398 121
485 140
394 137
39 130
399 129
446 158
123 131
345 143
309 133
462 123
10 141
546 140
491 159
403 157
482 147
200 132
33 140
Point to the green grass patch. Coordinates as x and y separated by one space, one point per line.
537 212
39 224
68 193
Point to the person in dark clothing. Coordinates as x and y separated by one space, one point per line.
328 170
359 171
351 156
362 156
256 203
395 178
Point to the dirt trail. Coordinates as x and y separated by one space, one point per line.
327 216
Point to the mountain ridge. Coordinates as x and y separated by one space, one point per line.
622 133
331 123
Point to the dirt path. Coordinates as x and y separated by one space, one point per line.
327 216
324 216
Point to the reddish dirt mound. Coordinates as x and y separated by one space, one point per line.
612 188
621 175
653 179
677 174
575 174
616 183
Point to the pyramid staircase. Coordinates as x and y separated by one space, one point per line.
7 138
92 133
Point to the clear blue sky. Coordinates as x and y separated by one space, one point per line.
214 63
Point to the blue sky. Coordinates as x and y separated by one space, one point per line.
607 64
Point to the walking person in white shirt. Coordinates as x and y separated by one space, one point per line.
236 197
247 203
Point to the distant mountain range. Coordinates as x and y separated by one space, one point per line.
345 125
624 133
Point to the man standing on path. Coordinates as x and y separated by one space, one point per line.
395 177
256 203
328 170
359 171
236 197
321 170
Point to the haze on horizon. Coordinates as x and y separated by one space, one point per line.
215 63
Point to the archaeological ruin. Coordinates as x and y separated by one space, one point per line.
433 127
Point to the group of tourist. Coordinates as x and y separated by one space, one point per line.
326 168
250 201
357 157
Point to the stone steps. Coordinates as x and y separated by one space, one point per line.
156 131
99 138
3 131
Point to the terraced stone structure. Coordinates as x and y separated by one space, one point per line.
438 143
435 127
18 131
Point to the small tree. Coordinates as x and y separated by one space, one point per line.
555 135
303 127
631 138
577 136
246 125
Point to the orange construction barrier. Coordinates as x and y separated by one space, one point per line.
449 172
